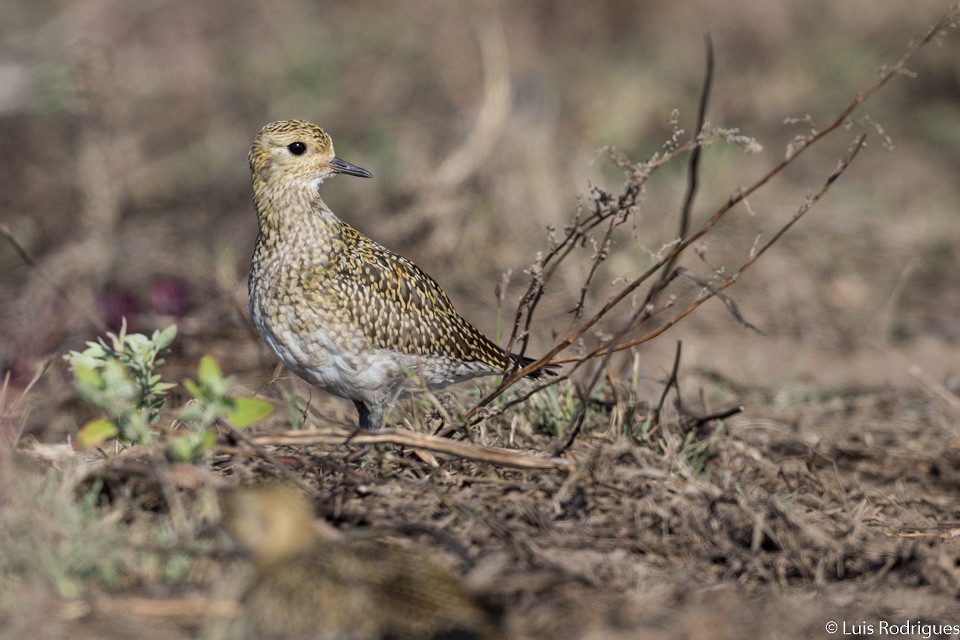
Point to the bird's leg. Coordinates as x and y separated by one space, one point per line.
370 418
364 414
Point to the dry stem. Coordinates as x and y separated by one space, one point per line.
466 450
605 207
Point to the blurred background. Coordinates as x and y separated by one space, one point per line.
124 129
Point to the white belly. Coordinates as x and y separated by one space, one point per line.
350 367
358 373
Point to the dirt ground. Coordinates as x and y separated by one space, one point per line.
832 497
831 507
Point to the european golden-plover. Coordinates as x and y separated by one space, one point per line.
359 587
341 311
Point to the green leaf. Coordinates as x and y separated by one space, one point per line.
135 427
192 411
117 381
190 446
87 376
164 339
193 389
137 342
207 439
209 371
96 432
181 447
246 411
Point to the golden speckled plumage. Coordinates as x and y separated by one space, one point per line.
340 310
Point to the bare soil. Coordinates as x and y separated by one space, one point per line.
839 507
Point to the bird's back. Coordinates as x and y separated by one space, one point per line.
399 308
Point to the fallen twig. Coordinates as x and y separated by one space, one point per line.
466 450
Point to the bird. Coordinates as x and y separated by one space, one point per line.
341 311
305 587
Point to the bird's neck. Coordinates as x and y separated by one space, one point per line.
291 209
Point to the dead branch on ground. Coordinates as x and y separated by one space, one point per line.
465 450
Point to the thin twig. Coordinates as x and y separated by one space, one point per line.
605 206
806 206
722 297
269 457
602 249
6 413
644 312
466 450
718 415
28 260
671 382
574 334
693 167
573 428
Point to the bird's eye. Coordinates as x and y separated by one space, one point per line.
297 148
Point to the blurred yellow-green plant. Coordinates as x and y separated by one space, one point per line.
120 376
53 537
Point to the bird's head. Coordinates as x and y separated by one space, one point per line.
299 152
269 522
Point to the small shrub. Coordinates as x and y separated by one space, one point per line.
120 376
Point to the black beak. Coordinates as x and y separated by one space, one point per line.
342 166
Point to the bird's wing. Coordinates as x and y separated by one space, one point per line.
400 307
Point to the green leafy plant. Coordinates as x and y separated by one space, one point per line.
120 375
211 403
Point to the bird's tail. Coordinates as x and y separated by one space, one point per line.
546 371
